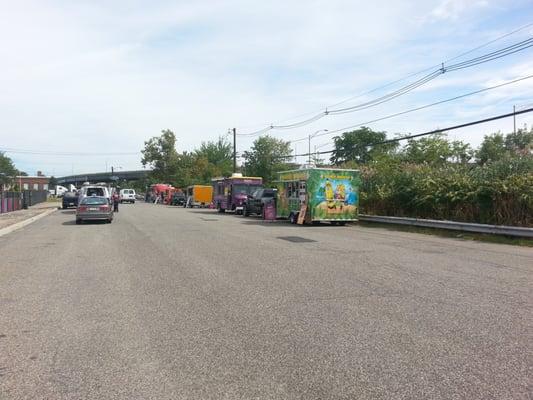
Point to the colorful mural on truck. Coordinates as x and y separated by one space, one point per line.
333 194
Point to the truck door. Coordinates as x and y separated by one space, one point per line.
302 192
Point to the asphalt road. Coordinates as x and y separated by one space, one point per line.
168 303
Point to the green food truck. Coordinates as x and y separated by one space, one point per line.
318 194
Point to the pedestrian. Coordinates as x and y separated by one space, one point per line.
115 202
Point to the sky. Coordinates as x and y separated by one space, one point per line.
102 77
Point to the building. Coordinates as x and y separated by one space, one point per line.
38 182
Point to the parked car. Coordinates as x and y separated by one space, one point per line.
256 201
88 190
70 199
127 195
94 208
178 199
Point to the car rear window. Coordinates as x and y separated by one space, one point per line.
269 193
94 200
95 192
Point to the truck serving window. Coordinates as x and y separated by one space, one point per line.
246 189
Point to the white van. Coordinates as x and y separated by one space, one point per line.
95 190
127 195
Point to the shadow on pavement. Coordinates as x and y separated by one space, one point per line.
211 212
68 212
95 222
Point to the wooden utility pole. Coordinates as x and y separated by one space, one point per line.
514 119
234 150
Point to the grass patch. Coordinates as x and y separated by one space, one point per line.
480 237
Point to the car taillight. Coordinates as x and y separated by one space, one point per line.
82 208
104 208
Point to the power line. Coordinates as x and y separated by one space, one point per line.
419 108
410 75
437 65
433 132
506 51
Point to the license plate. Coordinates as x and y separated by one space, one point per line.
93 208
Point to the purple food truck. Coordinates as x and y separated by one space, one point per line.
231 193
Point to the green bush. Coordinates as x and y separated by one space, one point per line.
499 193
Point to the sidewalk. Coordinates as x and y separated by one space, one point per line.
15 217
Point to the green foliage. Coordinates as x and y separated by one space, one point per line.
436 150
7 170
520 143
267 156
492 149
214 159
161 156
52 183
357 146
496 193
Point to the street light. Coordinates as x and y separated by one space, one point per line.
311 136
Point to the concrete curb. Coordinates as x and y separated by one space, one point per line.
22 224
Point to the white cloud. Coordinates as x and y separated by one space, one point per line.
105 76
453 9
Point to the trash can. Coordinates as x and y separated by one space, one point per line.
269 211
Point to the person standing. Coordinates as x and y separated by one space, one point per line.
116 200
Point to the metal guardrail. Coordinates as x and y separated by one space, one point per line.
451 225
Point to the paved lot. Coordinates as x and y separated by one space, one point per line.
168 303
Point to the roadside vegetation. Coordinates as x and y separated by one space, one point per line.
432 177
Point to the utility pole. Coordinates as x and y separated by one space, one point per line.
311 136
234 150
309 150
514 119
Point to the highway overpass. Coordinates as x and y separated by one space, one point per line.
115 176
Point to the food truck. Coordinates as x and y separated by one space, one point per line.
157 190
231 193
199 196
318 194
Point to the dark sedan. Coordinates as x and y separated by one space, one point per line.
94 208
255 202
178 199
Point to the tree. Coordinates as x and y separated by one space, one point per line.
492 149
160 155
435 150
520 143
359 146
52 182
267 156
219 157
7 170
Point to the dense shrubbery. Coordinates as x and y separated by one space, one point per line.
436 178
496 193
